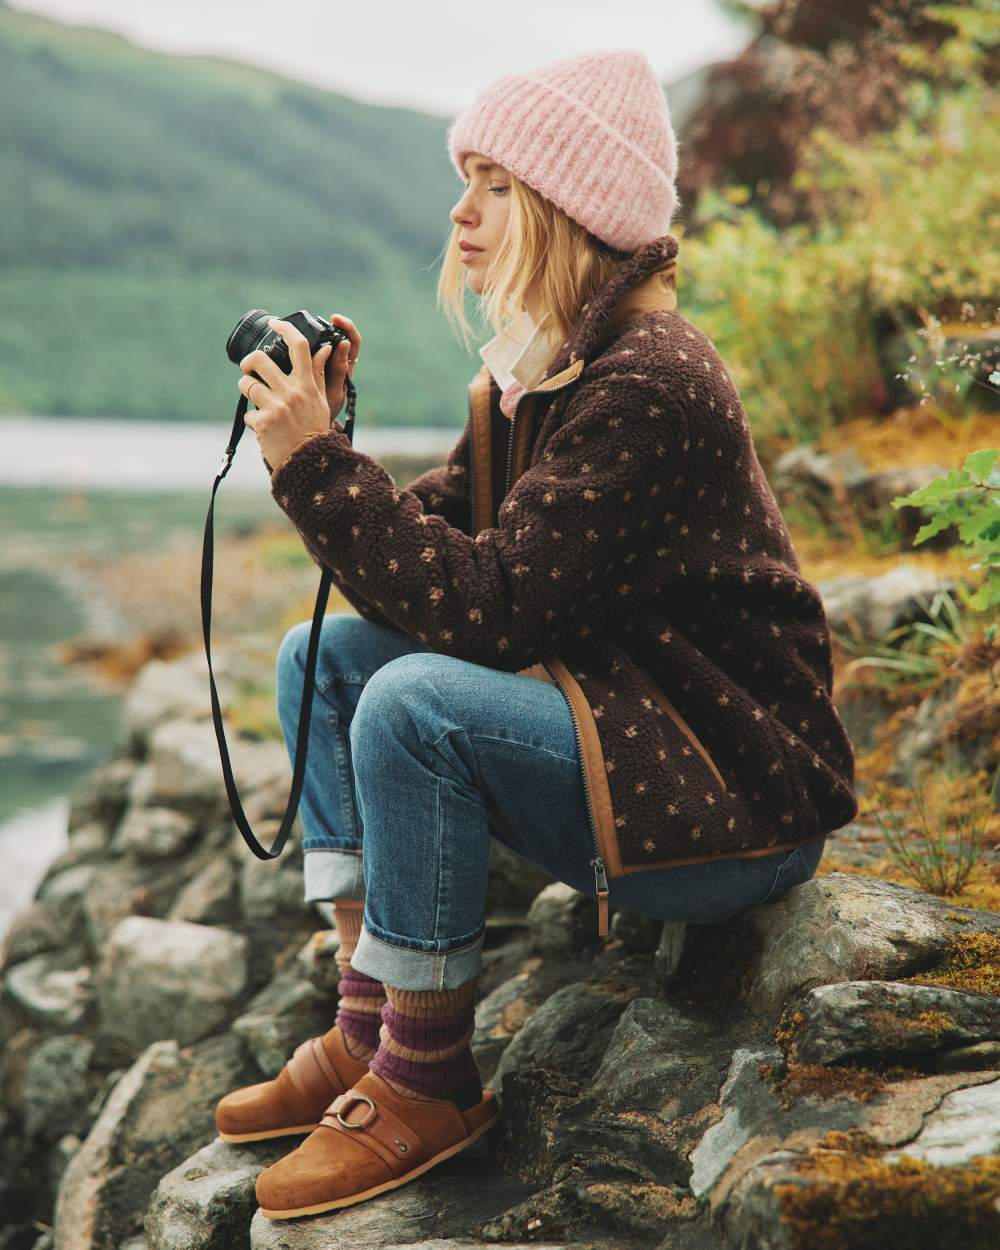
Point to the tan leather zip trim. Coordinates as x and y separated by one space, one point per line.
681 724
538 671
564 375
704 859
596 773
482 444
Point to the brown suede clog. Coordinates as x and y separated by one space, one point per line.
294 1101
370 1140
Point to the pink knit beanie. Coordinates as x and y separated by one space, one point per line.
590 133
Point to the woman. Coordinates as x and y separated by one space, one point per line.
586 635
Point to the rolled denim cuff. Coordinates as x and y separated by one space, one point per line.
333 874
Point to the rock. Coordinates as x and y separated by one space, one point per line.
869 607
122 888
158 1113
208 1200
271 892
54 989
806 1173
64 887
153 833
513 881
281 1016
169 979
318 958
501 1014
568 1033
125 887
448 1202
174 690
970 1058
187 768
55 1086
965 1125
87 844
638 933
746 1105
101 797
656 1049
43 925
845 927
870 1018
211 896
561 919
669 951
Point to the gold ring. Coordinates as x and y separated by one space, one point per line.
356 1124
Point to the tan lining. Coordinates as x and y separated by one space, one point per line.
597 777
482 444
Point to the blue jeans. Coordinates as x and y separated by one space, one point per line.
417 760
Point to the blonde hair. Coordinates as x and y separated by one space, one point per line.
542 246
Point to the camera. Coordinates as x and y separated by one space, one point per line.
252 333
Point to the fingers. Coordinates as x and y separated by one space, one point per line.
298 345
260 362
353 335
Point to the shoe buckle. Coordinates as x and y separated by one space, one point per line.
348 1098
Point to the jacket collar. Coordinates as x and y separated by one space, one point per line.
647 280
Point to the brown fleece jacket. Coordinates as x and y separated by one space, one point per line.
641 540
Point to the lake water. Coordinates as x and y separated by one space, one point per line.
70 485
159 455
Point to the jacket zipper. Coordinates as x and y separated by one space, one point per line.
541 390
597 863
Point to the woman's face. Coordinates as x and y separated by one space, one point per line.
481 214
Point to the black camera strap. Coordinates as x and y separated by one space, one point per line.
302 742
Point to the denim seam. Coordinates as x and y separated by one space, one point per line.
346 679
411 950
528 746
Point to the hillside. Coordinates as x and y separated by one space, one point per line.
149 200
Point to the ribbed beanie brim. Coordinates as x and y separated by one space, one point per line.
590 133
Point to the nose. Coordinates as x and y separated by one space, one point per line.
460 214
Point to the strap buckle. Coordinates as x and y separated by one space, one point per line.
347 1099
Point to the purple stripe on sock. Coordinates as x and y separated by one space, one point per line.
417 1034
359 985
357 1024
438 1080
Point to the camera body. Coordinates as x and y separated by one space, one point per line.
252 333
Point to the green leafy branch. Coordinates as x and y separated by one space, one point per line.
969 499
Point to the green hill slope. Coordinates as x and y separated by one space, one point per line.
148 201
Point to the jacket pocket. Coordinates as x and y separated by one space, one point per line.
659 697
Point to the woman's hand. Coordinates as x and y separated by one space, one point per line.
342 365
290 407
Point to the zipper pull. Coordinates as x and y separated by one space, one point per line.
601 881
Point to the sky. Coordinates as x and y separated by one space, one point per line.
431 55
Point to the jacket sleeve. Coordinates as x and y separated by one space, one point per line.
442 491
582 538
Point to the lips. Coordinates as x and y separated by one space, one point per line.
467 247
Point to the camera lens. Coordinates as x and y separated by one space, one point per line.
250 332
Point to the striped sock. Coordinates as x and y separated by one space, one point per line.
361 996
424 1047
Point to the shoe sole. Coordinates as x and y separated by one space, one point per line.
298 1130
351 1199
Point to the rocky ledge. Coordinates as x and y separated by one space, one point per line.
822 1072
